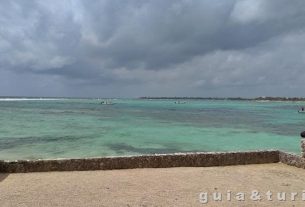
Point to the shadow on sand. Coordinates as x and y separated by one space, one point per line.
3 176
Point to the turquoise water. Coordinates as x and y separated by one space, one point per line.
73 128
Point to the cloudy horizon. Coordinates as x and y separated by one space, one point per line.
133 48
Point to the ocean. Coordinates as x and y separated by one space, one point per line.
78 128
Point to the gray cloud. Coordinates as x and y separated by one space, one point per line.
135 48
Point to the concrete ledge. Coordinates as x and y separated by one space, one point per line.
145 161
292 159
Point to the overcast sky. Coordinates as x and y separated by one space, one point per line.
131 48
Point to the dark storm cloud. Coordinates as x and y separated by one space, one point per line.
132 48
155 34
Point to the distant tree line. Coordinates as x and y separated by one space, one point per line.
262 98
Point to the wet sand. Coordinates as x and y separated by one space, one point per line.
153 187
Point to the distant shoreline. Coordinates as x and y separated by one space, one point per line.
262 98
230 98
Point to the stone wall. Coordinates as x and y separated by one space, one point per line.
303 147
145 161
292 159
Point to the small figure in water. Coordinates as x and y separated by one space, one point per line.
302 109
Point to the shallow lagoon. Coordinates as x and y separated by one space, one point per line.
73 128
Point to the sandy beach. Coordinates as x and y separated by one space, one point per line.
153 187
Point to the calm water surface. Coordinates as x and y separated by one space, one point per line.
73 128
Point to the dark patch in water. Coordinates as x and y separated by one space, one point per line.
122 147
9 143
252 132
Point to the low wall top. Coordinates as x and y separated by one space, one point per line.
204 159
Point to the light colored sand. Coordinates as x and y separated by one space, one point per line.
151 187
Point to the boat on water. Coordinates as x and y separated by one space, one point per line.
107 102
180 102
302 110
